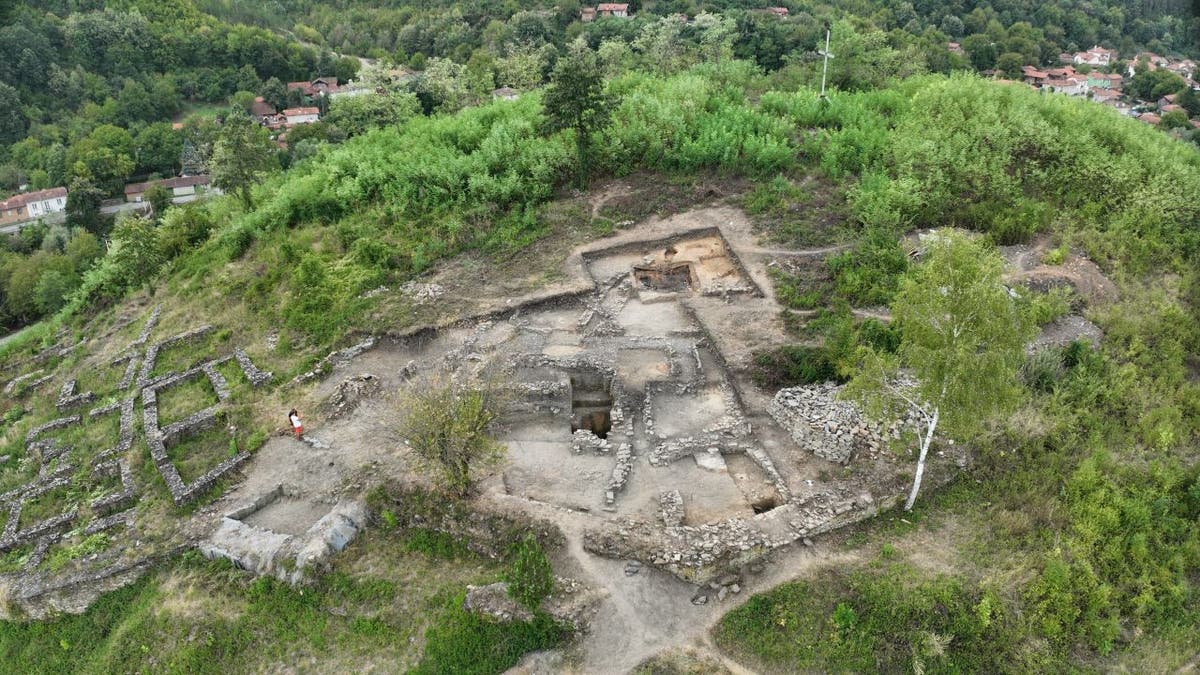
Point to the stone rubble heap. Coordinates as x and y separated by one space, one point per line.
585 441
494 601
421 293
350 392
336 358
670 508
834 429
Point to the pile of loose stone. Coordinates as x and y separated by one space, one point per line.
350 392
831 428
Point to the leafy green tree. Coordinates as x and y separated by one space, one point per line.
83 205
447 423
158 148
1190 100
242 155
1009 64
135 253
82 250
530 579
242 100
1151 85
159 198
52 290
107 154
12 116
274 92
962 338
576 100
135 104
1176 119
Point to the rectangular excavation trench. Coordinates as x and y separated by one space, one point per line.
591 403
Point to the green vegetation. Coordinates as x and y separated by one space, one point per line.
962 339
197 616
530 578
1087 496
884 618
447 425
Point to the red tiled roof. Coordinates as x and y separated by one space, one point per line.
1170 107
1150 118
310 88
17 201
1105 93
611 7
261 108
295 112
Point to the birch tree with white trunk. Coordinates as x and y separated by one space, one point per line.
963 341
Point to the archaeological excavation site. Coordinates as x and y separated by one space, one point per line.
636 441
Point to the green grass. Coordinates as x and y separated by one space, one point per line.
196 454
198 616
462 643
184 355
201 109
877 620
180 400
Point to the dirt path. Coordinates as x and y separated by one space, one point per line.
644 614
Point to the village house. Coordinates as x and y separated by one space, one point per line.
32 205
1096 56
1150 118
1151 60
780 12
587 14
619 10
183 189
955 48
321 86
1109 96
1170 107
261 111
1185 69
505 93
1071 86
294 116
1097 80
1033 76
350 89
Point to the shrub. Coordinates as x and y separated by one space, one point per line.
530 578
794 365
446 423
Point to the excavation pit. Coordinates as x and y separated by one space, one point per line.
591 403
765 504
665 277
